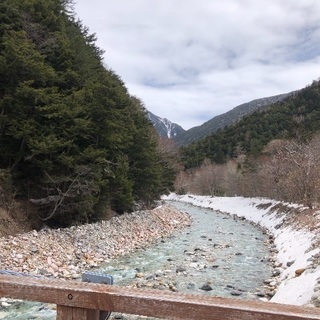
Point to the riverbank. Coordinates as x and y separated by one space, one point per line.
67 253
215 255
296 236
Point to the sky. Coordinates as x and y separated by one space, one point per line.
191 60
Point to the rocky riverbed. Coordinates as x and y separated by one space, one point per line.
295 231
208 261
216 255
219 255
202 266
66 253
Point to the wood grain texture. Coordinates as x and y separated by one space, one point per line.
155 303
71 313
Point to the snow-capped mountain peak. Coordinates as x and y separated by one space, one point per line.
164 127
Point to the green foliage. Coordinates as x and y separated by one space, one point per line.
74 141
295 116
144 159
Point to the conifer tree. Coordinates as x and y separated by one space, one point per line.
74 141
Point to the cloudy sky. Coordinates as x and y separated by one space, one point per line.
190 60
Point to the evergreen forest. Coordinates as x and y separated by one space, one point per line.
74 144
76 147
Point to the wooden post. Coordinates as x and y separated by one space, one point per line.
71 313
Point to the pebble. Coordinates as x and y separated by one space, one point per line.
206 287
181 269
298 272
276 272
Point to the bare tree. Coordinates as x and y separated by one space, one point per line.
295 168
287 170
208 179
232 177
182 182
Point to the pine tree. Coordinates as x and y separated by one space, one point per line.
75 142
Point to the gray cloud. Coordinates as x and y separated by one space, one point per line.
190 60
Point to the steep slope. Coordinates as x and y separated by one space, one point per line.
226 119
74 143
164 127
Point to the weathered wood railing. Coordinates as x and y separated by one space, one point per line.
81 301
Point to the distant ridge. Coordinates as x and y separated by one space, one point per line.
166 128
228 118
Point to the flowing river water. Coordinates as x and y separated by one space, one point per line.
229 255
216 255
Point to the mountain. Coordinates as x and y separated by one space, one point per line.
164 127
225 119
296 117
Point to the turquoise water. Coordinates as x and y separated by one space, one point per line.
228 255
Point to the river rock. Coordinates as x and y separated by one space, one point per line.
190 286
316 302
193 265
230 286
272 283
270 293
298 272
181 269
316 289
260 294
276 272
206 287
268 281
290 263
5 304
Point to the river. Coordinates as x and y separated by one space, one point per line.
228 254
216 255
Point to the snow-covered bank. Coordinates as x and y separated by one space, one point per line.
297 254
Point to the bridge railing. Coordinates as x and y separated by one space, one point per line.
82 301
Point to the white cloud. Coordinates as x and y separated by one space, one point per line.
190 60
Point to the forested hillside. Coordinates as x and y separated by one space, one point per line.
296 116
273 153
73 143
226 119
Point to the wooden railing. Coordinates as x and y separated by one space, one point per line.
82 301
